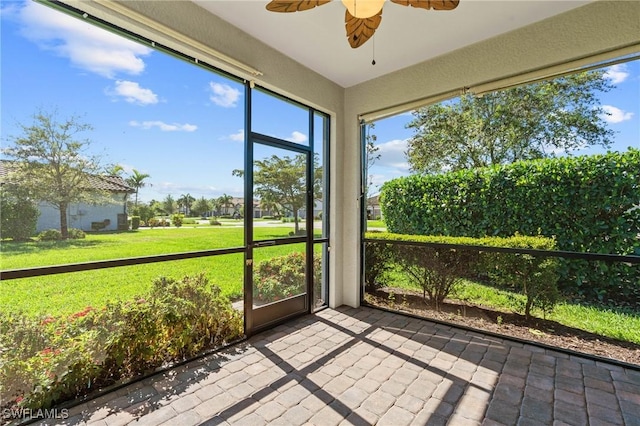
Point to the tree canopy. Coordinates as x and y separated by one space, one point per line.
523 123
137 181
283 181
52 164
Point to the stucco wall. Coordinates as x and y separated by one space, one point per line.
80 215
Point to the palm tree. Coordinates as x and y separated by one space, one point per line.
136 180
226 201
186 200
114 170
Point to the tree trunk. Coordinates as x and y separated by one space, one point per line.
64 227
295 221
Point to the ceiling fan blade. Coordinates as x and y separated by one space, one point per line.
294 5
429 4
360 30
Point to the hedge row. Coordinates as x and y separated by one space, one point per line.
439 269
588 203
46 361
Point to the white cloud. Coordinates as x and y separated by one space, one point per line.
86 46
615 115
617 73
392 154
165 127
133 93
224 95
297 137
238 136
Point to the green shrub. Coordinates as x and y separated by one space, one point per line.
155 222
49 360
378 261
437 270
214 222
177 220
135 222
534 276
76 234
281 277
18 217
189 221
586 203
50 235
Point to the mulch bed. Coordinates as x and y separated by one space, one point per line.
510 325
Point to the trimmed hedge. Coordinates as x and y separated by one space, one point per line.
588 203
438 270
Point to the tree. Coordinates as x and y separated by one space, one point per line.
216 205
146 211
201 206
114 170
168 205
523 123
225 201
283 181
137 181
372 155
53 166
185 202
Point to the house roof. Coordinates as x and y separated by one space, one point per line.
99 182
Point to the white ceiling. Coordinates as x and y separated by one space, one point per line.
316 38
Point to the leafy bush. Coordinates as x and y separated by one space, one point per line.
177 220
155 222
214 222
49 360
76 234
378 261
50 235
586 203
281 277
438 269
534 276
18 217
135 222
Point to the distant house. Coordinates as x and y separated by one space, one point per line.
109 215
373 208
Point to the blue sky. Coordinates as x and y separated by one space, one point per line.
177 122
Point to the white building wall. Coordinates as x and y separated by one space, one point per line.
80 215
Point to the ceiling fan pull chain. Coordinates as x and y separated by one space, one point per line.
373 41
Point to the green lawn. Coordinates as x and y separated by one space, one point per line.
618 324
376 224
67 293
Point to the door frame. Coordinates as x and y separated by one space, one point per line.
267 316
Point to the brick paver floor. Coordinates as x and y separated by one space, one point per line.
364 366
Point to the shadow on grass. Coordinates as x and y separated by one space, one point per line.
31 247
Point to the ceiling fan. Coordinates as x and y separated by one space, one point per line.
362 17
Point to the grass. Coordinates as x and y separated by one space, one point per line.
617 324
68 293
376 224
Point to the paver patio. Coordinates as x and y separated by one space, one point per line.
365 366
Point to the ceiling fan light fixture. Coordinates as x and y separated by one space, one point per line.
363 9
